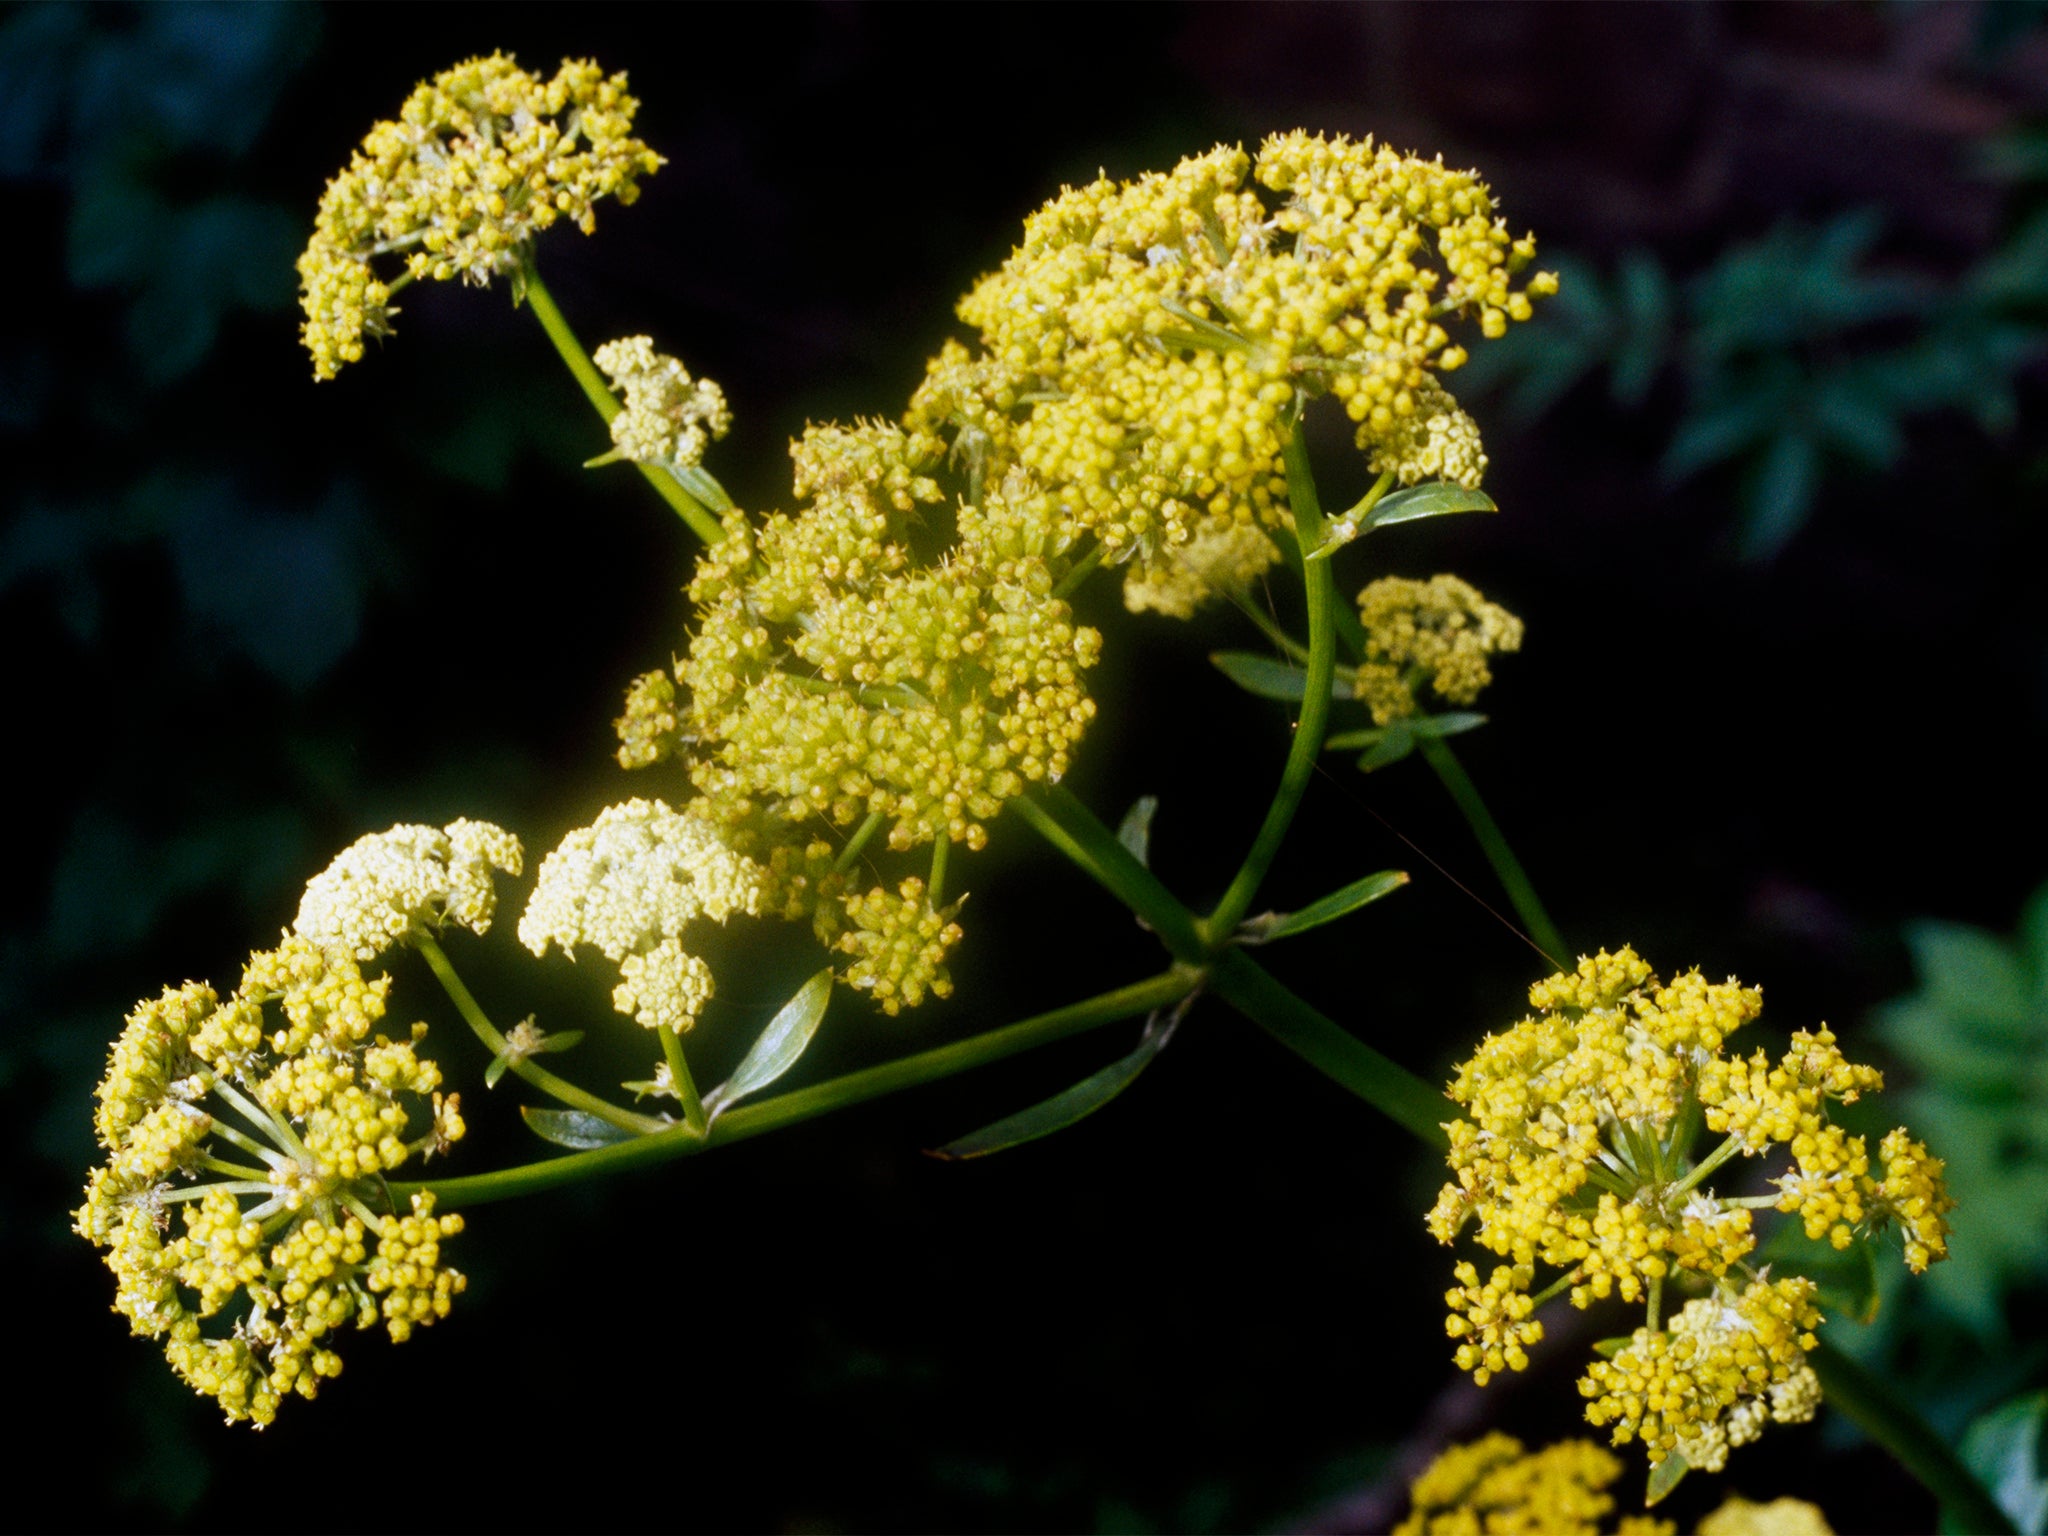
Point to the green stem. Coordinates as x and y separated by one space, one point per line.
1082 569
1893 1424
1339 1055
1332 1050
861 835
1706 1166
1315 704
598 392
937 891
1289 646
1512 877
679 1075
773 1114
1055 815
546 1081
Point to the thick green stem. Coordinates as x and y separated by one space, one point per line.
1512 877
494 1042
1315 704
1892 1422
861 835
1332 1050
552 320
808 1103
1055 815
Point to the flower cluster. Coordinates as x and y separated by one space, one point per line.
1145 351
1577 1154
1437 632
628 885
669 417
1493 1487
842 670
481 158
242 1205
384 886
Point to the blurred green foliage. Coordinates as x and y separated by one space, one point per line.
1788 354
1976 1035
2008 1450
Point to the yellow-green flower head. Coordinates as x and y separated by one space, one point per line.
384 887
1576 1154
1493 1487
1146 348
1438 632
834 675
1781 1517
482 158
899 943
247 1143
628 884
669 417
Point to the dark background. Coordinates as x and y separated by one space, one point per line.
247 619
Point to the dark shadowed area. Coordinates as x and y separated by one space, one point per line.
1771 477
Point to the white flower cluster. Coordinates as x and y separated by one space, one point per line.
627 885
1437 441
669 417
384 885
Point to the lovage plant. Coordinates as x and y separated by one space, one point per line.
873 676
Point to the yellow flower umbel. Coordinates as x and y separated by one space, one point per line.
248 1139
1437 633
847 666
1578 1155
1493 1487
242 1204
480 160
1146 349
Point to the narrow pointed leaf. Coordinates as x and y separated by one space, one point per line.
1438 499
573 1128
1136 832
496 1069
1396 744
1338 903
1664 1477
1062 1109
1262 675
1451 723
1351 741
568 1039
781 1043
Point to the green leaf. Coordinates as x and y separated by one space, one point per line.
1394 744
781 1043
1781 495
1439 498
496 1069
1333 906
2008 1451
554 1045
1063 1109
1664 1477
1451 723
1971 975
1270 679
1135 832
573 1128
1351 741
